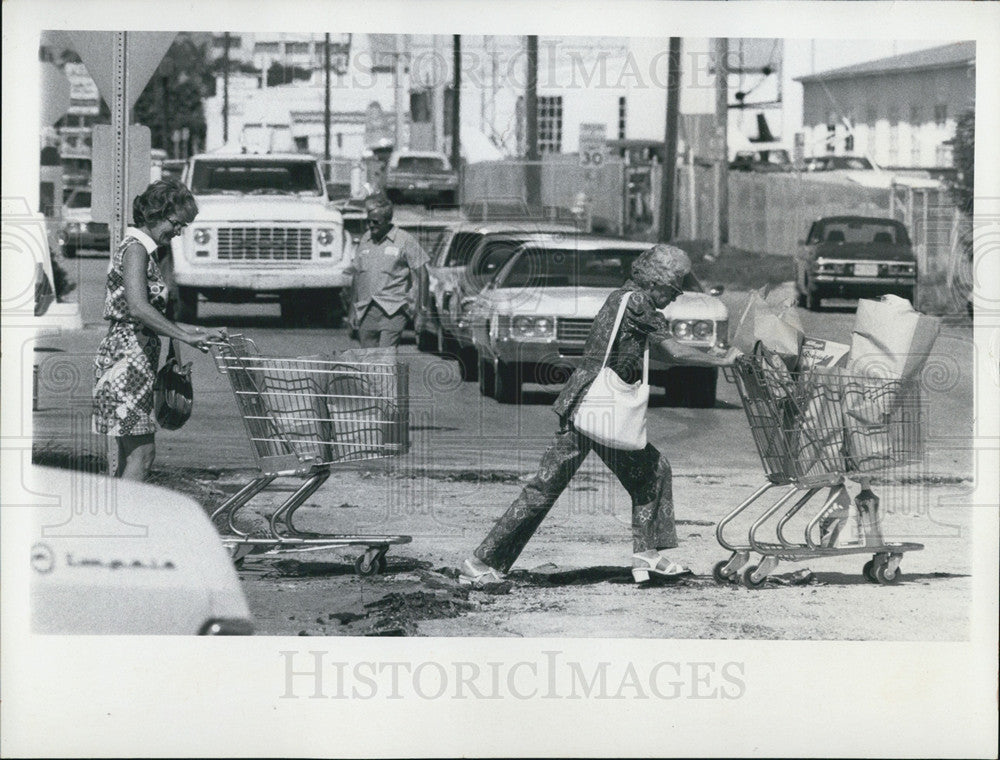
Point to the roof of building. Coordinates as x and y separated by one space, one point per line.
944 57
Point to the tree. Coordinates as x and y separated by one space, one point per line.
964 156
173 97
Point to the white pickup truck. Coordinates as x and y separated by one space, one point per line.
265 229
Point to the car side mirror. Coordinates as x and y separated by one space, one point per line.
717 290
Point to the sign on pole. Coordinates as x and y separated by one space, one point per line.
593 144
144 53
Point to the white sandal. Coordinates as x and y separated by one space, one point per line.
653 564
475 572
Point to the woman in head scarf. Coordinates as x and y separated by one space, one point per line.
657 279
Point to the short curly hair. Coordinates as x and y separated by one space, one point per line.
161 200
659 266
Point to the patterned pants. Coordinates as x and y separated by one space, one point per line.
645 475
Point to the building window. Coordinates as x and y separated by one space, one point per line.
621 117
916 116
914 144
943 155
302 144
270 48
235 41
297 48
940 114
550 124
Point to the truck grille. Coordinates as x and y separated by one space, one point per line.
265 243
573 330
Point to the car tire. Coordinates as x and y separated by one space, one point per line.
812 299
443 343
186 305
468 364
425 342
702 387
68 252
291 309
487 379
507 383
910 295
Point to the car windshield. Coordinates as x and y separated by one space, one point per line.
79 199
255 178
462 246
421 164
861 232
601 268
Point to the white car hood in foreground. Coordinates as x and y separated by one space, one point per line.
264 208
584 303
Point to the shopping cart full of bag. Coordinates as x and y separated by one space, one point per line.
303 416
814 430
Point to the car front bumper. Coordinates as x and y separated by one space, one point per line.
859 287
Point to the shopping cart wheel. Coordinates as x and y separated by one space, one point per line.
882 575
748 580
372 562
868 571
720 576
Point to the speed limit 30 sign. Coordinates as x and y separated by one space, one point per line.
593 144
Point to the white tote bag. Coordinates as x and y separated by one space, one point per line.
613 412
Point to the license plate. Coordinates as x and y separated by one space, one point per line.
423 185
866 270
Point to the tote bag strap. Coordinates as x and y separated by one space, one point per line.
614 330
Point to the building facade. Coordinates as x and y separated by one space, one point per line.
899 111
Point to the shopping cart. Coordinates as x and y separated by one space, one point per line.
813 430
302 416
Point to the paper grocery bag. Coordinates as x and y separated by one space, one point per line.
891 339
773 321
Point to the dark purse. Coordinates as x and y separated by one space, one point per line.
173 395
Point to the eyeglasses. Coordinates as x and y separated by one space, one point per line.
176 225
677 291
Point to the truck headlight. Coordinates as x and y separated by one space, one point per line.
324 236
681 329
202 236
702 330
532 328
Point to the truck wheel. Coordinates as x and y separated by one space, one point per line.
487 380
425 342
812 299
507 383
186 305
291 309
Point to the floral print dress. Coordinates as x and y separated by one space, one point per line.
125 368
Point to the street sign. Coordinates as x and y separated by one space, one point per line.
145 51
593 144
102 177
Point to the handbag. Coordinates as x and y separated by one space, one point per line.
173 394
613 412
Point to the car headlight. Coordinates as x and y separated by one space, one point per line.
202 236
532 328
324 236
702 330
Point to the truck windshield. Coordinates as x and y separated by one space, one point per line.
255 177
421 165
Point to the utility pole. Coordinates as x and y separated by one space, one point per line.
119 131
225 88
437 97
721 222
669 182
456 104
400 70
326 101
533 171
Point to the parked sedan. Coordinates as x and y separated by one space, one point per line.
122 557
854 257
78 230
530 323
434 312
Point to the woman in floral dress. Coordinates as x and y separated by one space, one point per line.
135 307
658 275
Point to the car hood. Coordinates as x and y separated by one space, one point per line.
584 303
865 251
230 208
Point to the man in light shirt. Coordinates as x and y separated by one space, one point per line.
389 268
